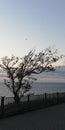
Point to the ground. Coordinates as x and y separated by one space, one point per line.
52 118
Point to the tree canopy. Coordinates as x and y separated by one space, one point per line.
18 69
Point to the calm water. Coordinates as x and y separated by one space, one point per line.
40 88
50 82
37 88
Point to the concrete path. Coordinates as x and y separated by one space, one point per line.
52 118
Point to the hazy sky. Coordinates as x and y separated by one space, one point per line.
27 24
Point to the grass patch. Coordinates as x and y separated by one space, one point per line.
13 109
23 107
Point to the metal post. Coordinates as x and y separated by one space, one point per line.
45 96
2 106
57 96
28 97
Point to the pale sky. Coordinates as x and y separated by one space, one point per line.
28 24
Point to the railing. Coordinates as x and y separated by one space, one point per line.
31 97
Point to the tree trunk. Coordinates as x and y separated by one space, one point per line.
17 99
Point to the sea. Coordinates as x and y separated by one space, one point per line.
37 88
50 82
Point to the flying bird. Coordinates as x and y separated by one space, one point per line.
26 38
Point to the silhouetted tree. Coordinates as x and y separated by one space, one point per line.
19 69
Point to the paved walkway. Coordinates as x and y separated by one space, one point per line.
52 118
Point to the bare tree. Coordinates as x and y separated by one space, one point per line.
18 69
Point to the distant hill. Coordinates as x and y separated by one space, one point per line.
57 75
60 69
53 76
